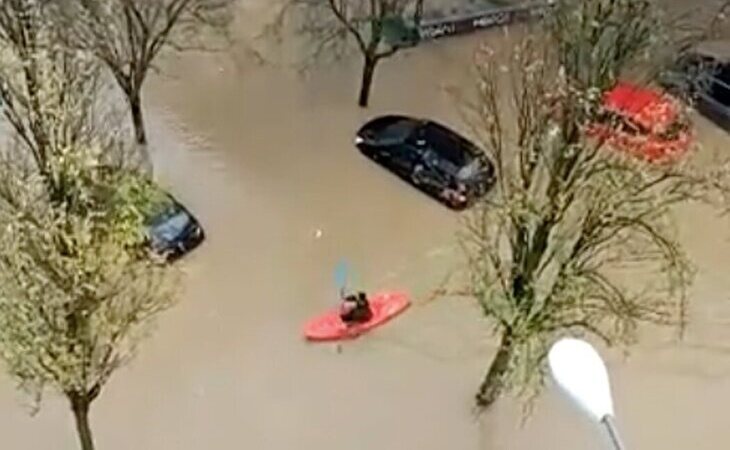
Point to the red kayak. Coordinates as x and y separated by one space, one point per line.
329 326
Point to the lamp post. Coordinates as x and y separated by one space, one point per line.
581 374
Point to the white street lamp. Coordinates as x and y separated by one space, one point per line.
581 374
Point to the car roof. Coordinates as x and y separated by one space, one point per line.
392 127
648 107
718 50
449 144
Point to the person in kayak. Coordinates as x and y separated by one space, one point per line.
355 309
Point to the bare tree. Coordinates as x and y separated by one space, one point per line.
77 289
708 20
553 250
682 31
127 36
378 28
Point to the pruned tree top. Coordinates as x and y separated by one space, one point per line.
521 110
690 25
334 28
577 236
128 35
377 29
604 29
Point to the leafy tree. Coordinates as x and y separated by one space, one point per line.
78 290
378 28
127 36
576 237
49 94
77 285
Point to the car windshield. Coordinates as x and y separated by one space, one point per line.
720 85
399 130
469 171
446 144
723 73
169 225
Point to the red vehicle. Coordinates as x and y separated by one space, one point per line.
643 122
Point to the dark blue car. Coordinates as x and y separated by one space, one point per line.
173 231
430 156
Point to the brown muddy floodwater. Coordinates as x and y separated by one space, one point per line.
265 159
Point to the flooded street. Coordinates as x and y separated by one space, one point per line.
265 159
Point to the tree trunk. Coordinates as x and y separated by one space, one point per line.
134 98
135 107
418 14
493 385
368 71
80 405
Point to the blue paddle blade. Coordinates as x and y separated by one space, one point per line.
342 271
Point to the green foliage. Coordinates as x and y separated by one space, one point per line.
48 92
397 32
132 200
76 294
78 285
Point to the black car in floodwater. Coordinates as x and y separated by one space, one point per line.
172 230
703 75
432 157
